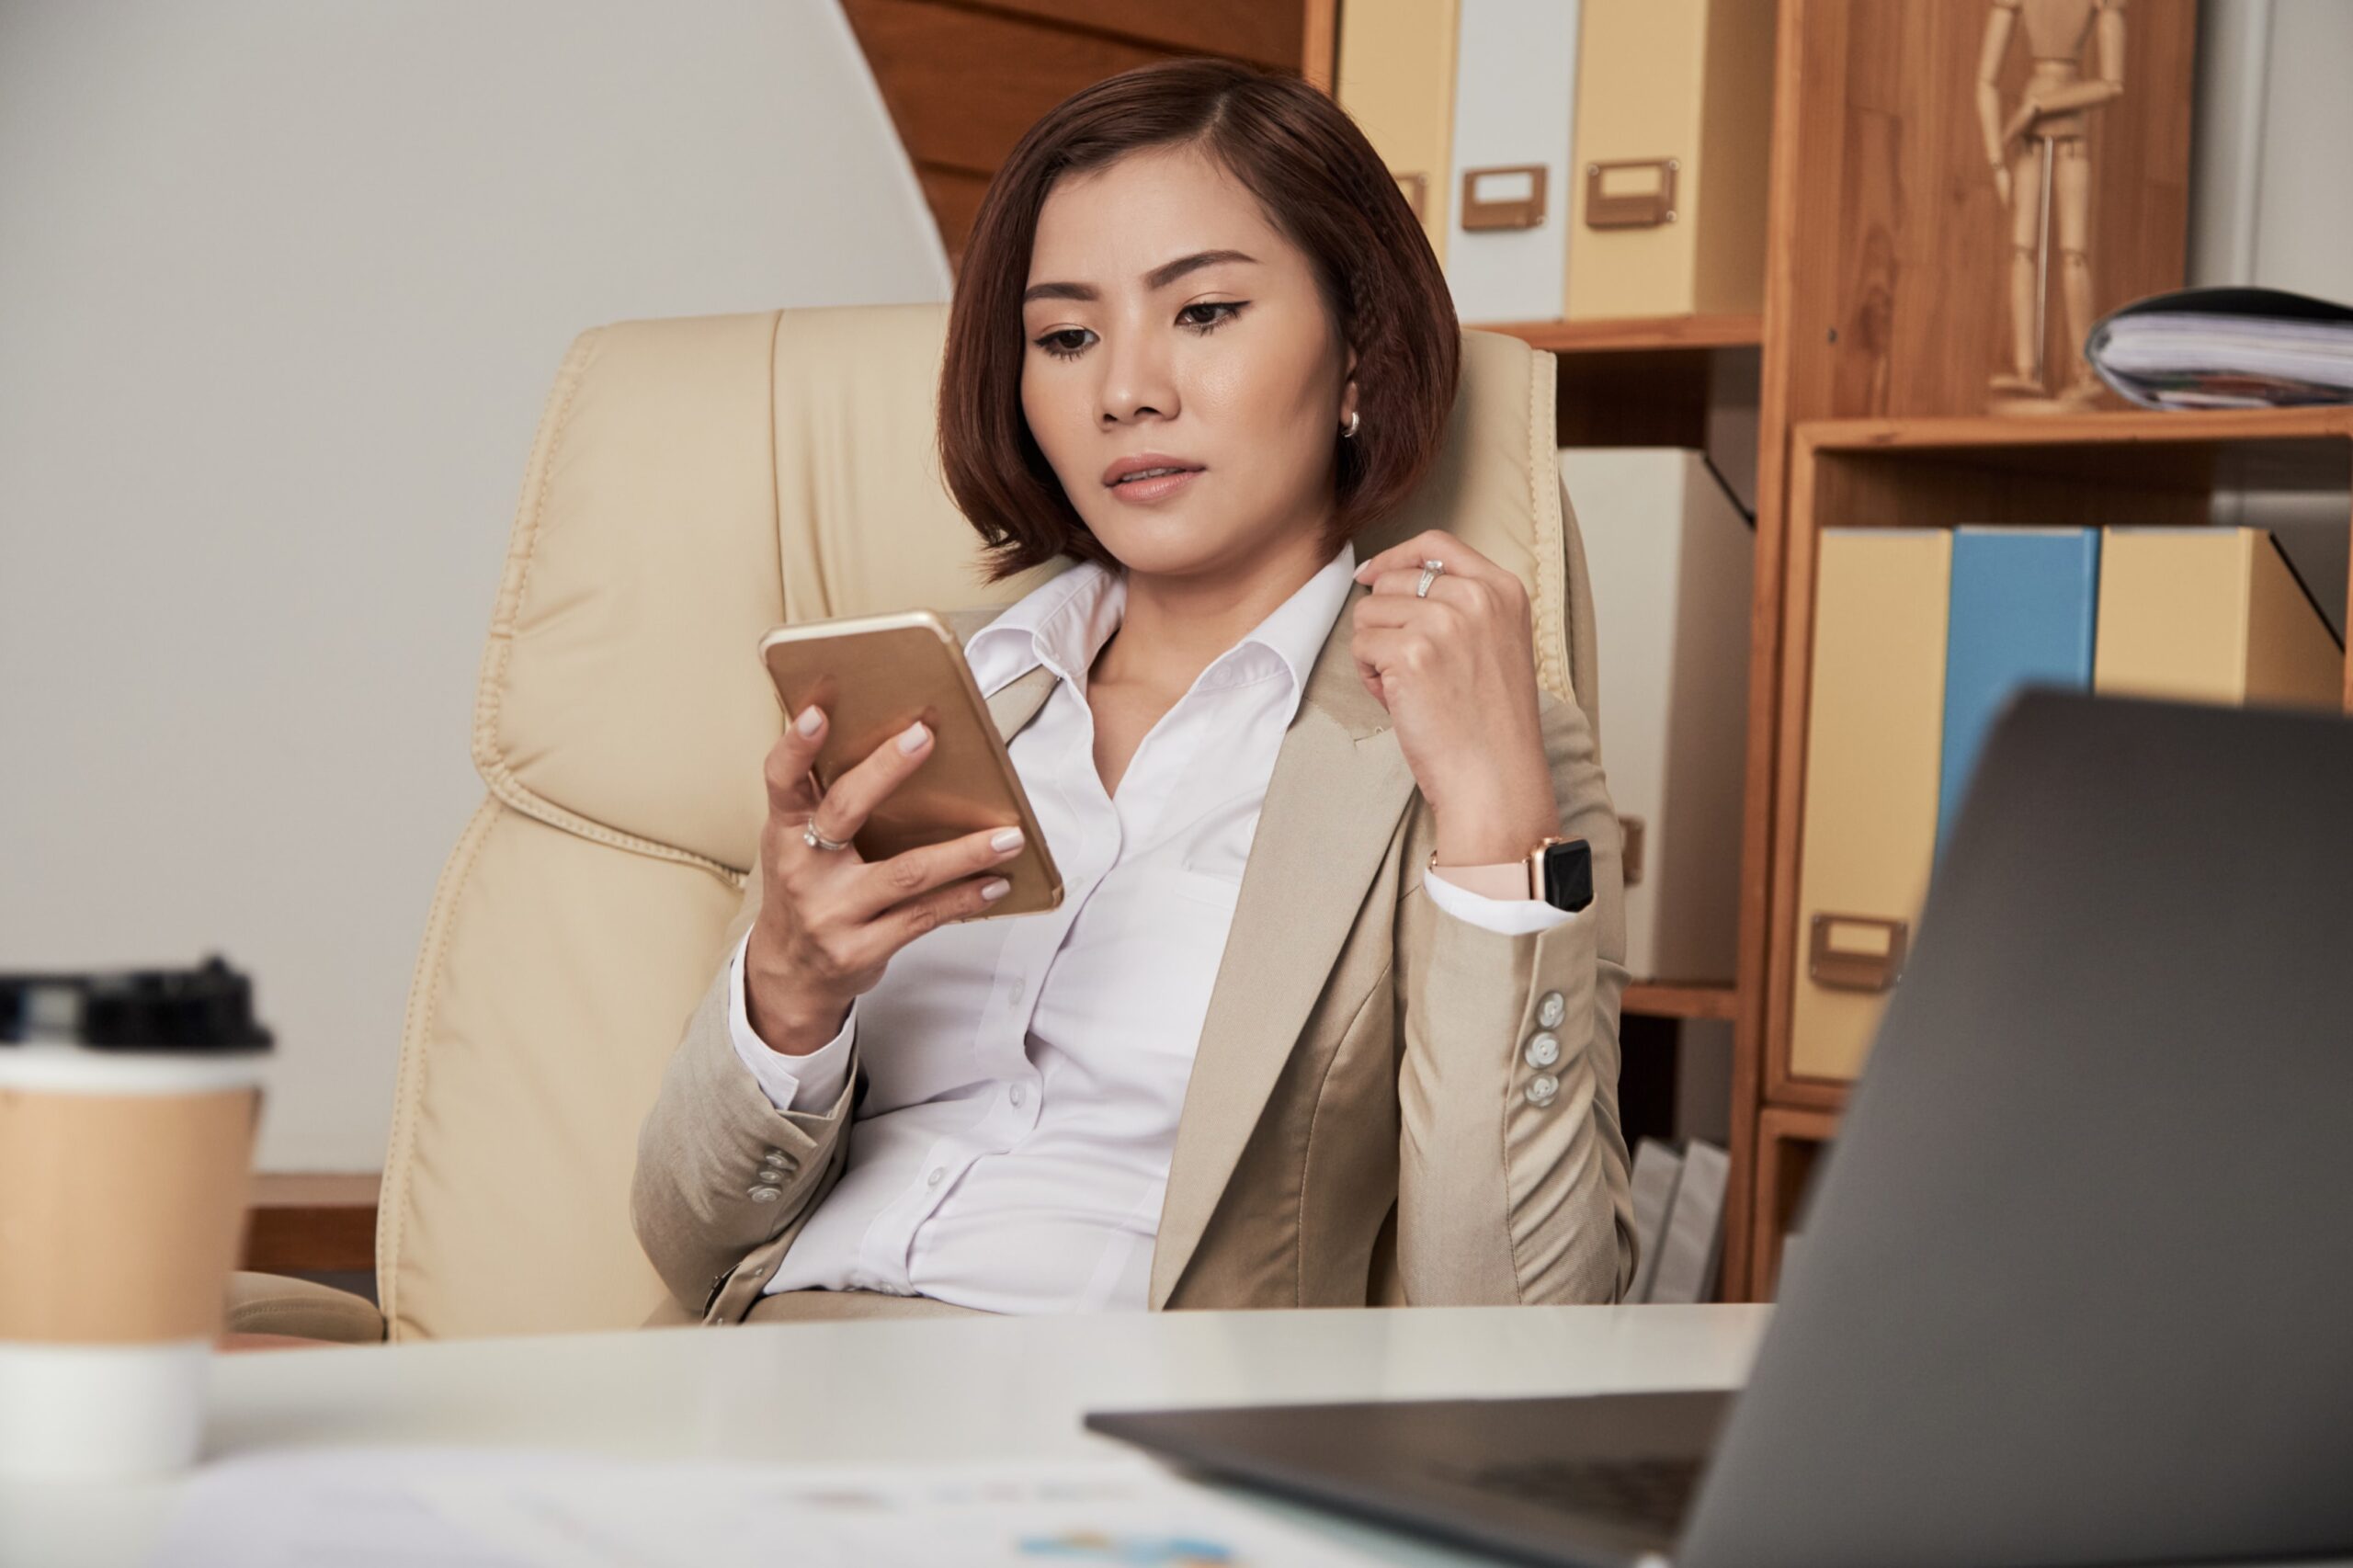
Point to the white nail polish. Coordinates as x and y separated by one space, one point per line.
913 738
1010 839
996 889
809 721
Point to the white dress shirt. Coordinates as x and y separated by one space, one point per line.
1013 1146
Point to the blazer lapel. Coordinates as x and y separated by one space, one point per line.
1018 701
1014 704
1339 786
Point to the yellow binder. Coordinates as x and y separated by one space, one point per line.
1874 740
1396 80
1674 119
2211 615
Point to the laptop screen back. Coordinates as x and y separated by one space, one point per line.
2077 1283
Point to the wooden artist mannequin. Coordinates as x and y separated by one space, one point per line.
2041 163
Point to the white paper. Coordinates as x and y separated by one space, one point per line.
376 1508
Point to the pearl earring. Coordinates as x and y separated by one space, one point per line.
1349 433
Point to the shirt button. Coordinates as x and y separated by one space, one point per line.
938 1175
1017 1094
764 1194
1541 1088
1552 1010
1543 1050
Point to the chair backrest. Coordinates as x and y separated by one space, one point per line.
695 482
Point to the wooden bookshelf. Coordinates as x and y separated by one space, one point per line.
2132 468
1668 999
1884 263
1791 1144
1642 381
1881 311
1965 467
1635 335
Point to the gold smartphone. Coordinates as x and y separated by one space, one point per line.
875 674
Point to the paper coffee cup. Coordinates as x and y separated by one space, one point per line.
123 1185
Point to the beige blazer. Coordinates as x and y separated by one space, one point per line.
1357 1129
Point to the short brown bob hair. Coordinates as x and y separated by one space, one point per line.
1322 185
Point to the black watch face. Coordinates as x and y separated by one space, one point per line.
1568 875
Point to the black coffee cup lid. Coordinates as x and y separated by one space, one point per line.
206 1008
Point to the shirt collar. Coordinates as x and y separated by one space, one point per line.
1064 623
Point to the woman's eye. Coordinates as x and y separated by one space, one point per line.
1226 310
1067 344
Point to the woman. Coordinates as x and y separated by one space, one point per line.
1198 343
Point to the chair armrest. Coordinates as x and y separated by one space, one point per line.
272 1304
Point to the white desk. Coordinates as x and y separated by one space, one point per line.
924 1389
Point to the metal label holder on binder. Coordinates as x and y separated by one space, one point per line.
1621 209
1515 212
1857 952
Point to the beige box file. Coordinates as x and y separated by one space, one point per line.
1671 561
1396 80
2209 615
1515 81
1674 124
1874 738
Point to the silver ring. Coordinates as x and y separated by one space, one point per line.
1430 569
815 840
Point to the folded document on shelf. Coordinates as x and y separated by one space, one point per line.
1690 1251
509 1509
1657 1170
2226 348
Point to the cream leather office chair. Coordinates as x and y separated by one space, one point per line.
694 483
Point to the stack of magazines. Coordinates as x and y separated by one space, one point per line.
2226 348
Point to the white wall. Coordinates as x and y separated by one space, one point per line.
282 284
2269 206
2273 125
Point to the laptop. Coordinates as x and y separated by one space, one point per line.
2076 1284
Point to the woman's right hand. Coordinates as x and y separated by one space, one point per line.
828 921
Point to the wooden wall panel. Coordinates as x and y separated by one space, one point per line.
962 86
1264 32
311 1224
963 79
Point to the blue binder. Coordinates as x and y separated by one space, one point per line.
2024 602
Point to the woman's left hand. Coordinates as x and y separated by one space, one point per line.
1457 671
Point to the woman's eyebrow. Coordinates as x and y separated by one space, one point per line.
1160 277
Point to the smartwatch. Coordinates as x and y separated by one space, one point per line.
1559 871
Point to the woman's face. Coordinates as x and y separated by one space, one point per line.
1166 319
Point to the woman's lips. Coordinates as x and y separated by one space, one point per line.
1159 488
